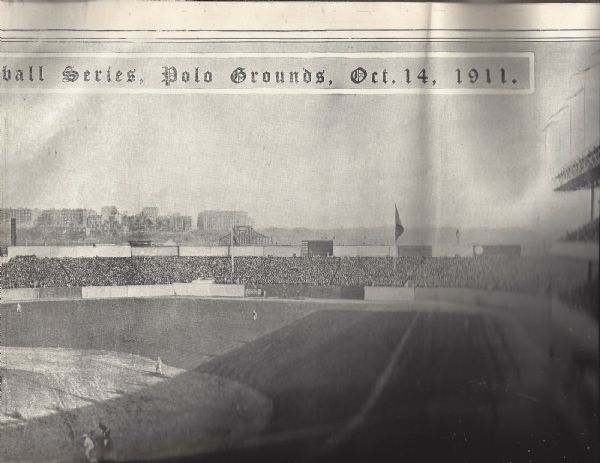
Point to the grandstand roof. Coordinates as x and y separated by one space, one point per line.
582 173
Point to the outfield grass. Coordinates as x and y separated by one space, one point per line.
415 381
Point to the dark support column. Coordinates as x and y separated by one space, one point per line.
592 203
13 232
591 220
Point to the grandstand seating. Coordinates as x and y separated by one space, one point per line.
588 232
508 273
577 169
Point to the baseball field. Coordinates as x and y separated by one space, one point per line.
306 381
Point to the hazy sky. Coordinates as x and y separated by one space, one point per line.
315 161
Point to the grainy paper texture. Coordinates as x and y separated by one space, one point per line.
299 232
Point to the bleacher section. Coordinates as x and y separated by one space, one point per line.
574 281
509 273
588 232
437 250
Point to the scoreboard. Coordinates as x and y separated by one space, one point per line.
313 248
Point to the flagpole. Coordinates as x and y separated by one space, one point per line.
395 240
231 253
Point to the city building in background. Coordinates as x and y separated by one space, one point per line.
94 221
62 218
110 214
180 223
150 213
22 216
79 224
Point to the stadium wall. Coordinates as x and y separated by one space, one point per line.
306 291
247 251
582 250
150 290
19 294
414 251
69 251
497 250
154 251
191 289
389 293
103 251
60 293
203 251
352 292
445 250
363 251
134 291
281 251
217 290
571 325
103 292
207 289
578 250
42 251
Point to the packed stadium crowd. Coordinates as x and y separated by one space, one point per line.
583 164
318 271
376 271
588 232
522 274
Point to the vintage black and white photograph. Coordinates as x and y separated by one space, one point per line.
299 233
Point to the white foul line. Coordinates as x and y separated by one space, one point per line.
383 379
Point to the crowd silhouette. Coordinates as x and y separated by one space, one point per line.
520 274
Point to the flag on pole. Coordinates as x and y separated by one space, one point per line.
399 229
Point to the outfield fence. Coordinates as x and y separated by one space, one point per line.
533 307
306 291
437 250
